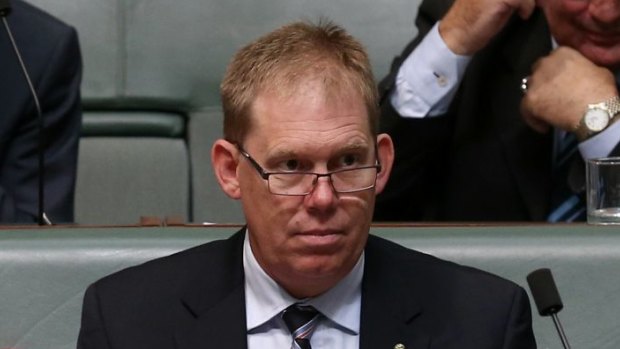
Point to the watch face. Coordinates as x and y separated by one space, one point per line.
596 119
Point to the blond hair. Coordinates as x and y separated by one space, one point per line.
288 57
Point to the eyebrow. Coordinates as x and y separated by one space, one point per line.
354 146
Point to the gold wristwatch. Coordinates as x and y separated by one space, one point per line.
597 117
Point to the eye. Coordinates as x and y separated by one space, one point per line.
348 160
290 165
287 165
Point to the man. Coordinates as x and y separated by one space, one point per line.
302 154
51 54
470 144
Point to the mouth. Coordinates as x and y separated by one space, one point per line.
603 39
320 238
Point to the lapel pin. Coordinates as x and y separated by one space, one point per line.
399 346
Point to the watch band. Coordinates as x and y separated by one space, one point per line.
613 105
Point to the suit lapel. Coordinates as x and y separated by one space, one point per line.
391 314
222 326
216 304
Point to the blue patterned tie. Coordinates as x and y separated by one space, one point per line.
301 321
566 205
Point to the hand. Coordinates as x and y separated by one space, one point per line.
561 87
470 24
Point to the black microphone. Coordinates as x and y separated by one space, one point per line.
5 10
547 298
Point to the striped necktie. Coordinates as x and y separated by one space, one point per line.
301 321
566 206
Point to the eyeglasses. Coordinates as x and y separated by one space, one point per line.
347 180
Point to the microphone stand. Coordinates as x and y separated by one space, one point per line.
560 329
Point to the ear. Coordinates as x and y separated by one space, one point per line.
385 151
224 159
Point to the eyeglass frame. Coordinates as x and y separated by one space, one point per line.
265 175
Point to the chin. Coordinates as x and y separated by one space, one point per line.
320 266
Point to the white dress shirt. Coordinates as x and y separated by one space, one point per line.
265 300
429 78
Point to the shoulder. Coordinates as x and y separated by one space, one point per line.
458 306
46 43
436 273
148 302
450 295
214 261
31 19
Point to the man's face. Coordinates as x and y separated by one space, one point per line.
592 27
307 243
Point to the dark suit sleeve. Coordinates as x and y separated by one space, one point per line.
92 331
418 142
519 334
58 88
61 87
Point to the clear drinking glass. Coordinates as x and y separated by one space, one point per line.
603 190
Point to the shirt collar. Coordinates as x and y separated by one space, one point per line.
265 298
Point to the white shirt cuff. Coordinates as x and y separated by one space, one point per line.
602 144
428 79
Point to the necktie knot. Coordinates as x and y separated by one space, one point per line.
301 321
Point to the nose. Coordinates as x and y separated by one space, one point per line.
606 12
322 197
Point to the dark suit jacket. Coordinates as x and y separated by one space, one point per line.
195 299
52 56
480 161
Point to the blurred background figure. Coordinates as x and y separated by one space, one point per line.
51 54
488 104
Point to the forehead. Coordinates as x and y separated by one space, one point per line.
309 115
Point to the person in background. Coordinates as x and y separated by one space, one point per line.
302 153
51 54
494 107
